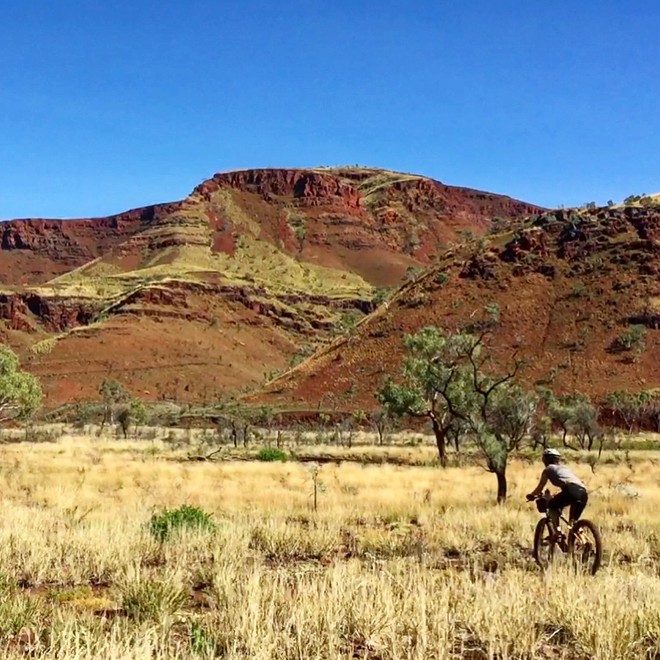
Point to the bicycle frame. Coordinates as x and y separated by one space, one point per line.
562 519
570 540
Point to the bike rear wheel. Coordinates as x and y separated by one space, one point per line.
585 546
544 547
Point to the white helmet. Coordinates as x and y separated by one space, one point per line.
550 456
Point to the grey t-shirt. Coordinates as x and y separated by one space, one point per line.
561 476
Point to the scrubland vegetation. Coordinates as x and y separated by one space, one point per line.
248 539
129 549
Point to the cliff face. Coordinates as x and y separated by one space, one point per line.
29 312
36 250
162 296
309 188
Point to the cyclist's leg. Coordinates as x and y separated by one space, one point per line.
579 499
555 506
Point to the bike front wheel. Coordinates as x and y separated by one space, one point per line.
585 546
544 546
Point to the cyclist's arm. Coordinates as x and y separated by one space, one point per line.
539 488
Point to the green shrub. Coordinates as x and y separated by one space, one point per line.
44 347
382 294
302 353
412 273
185 517
270 454
631 338
579 291
207 640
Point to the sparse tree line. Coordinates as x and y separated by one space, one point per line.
451 379
447 380
643 199
244 426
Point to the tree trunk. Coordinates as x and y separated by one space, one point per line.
590 441
440 440
501 486
104 419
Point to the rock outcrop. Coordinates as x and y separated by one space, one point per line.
30 311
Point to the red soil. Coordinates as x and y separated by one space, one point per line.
566 290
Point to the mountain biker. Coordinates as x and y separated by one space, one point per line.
573 492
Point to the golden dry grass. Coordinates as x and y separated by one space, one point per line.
397 562
255 262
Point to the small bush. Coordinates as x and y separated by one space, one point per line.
185 517
301 354
38 434
631 338
579 291
44 347
271 454
382 294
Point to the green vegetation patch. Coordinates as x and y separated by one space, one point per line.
162 525
272 454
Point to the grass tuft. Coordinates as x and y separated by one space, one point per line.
146 599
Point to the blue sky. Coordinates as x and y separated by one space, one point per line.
106 106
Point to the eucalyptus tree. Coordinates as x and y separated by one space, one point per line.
452 379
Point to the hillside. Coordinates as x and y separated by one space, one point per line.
211 293
561 287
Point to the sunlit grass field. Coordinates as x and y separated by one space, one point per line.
395 561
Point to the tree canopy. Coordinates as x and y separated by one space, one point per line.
20 392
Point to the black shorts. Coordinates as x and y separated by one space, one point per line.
574 496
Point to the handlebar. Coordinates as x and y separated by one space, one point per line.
545 495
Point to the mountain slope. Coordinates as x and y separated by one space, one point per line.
215 291
561 288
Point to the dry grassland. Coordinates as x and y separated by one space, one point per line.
397 562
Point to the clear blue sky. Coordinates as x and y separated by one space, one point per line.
106 106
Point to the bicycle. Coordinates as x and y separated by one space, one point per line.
583 544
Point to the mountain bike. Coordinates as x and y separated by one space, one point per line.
583 543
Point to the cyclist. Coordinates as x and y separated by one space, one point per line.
573 492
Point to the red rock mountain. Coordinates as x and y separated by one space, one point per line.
563 289
187 299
